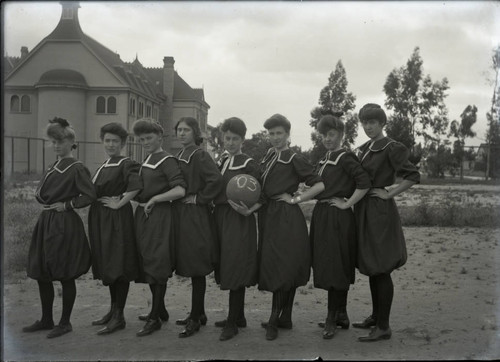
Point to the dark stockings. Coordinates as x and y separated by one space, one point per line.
286 313
337 300
158 291
382 298
68 300
199 285
46 290
280 300
236 305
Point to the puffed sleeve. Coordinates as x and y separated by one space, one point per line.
398 157
305 170
170 167
84 185
131 175
350 164
211 176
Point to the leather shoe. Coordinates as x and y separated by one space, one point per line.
105 319
342 319
377 334
191 328
242 323
330 326
281 324
228 332
271 332
38 326
164 316
117 322
183 322
369 322
150 326
59 330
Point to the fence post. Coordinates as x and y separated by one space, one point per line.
43 155
29 154
12 163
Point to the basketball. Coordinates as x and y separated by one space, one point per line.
244 188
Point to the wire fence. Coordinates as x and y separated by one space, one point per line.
28 155
34 155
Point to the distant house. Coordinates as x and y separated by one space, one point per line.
71 75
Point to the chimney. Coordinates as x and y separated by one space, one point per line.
168 86
24 52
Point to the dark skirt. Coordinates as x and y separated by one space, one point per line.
237 243
112 240
381 245
59 248
284 250
333 243
155 243
195 244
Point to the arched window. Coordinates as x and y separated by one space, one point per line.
132 107
111 105
25 103
101 105
148 111
14 104
141 109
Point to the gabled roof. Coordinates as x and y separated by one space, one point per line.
148 81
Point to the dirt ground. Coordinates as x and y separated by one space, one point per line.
446 306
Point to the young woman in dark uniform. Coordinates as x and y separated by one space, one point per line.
111 225
284 250
59 248
195 246
333 229
236 233
162 182
381 244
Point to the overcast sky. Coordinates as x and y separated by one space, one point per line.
255 59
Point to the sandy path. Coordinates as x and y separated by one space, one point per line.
445 307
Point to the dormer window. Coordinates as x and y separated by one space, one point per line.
67 13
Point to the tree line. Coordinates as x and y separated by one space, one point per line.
417 117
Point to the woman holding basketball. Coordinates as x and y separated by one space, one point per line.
59 248
162 183
381 244
285 254
195 247
111 225
333 228
236 232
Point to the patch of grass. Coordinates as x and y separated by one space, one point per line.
20 217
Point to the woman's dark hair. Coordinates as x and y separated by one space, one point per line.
372 111
277 120
115 129
60 129
235 125
147 125
194 125
329 122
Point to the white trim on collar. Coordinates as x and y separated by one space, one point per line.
327 161
107 164
189 158
146 164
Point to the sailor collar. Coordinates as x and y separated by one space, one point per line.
285 156
190 150
110 162
374 146
236 162
164 155
61 166
331 158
